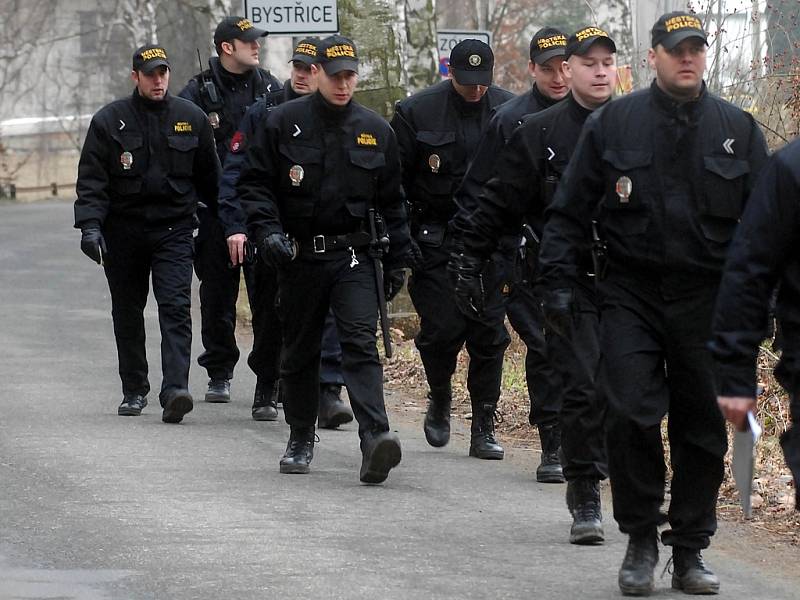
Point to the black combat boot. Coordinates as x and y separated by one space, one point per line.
299 451
482 443
264 405
690 573
380 453
437 419
332 409
219 390
132 405
549 469
176 404
636 572
583 501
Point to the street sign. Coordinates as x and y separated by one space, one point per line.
295 17
447 39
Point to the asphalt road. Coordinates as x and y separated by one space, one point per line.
96 506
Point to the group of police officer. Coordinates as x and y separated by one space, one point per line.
599 228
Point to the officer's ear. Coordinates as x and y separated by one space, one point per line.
651 58
315 69
532 69
566 69
135 76
227 47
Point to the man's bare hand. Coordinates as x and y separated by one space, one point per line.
236 248
735 409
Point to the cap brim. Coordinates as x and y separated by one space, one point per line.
251 34
340 64
465 77
303 58
542 58
152 65
674 38
587 44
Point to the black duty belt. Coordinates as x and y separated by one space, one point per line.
321 244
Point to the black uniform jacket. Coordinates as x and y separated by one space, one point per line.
313 169
151 160
672 178
438 132
765 252
504 119
524 176
235 93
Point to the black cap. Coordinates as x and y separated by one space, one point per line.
547 43
337 53
149 57
672 28
583 39
236 28
472 62
306 51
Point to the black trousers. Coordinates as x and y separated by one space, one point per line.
307 289
653 335
135 252
525 315
575 356
788 374
262 289
219 289
444 330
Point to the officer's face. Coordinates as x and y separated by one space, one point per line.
679 71
337 89
549 78
301 79
153 85
592 76
470 93
244 54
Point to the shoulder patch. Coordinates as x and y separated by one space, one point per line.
237 142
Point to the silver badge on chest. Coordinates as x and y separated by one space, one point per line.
296 174
434 162
213 118
624 188
126 160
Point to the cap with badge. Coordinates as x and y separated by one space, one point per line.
547 43
236 28
672 28
472 62
582 40
306 51
337 53
147 58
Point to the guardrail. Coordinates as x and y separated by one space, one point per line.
10 190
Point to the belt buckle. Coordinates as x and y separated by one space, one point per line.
319 244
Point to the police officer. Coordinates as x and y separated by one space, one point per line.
224 91
526 173
764 253
262 285
522 307
145 163
669 169
318 168
438 129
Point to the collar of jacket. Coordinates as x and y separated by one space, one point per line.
327 111
289 93
230 81
464 107
541 99
152 105
580 111
683 111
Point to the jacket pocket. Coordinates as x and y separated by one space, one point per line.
626 191
182 149
720 203
431 234
437 154
128 158
300 177
362 179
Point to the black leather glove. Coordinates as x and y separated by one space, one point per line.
393 281
468 286
558 307
92 244
277 250
414 257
